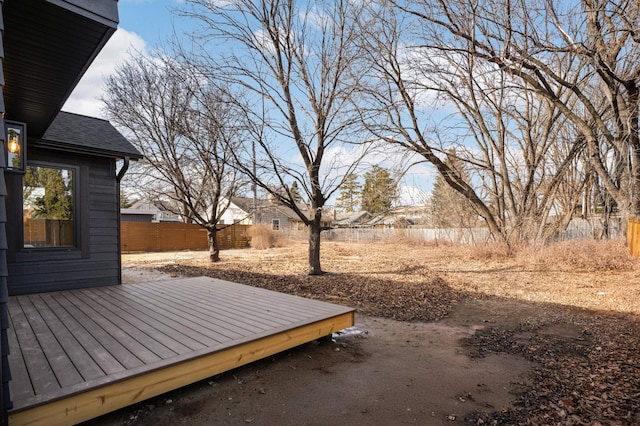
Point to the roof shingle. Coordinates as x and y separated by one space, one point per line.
87 135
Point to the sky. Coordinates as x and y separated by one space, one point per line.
144 25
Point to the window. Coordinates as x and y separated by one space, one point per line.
48 206
275 224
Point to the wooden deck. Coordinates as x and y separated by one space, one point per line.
78 354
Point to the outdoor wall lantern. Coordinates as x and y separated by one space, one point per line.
16 146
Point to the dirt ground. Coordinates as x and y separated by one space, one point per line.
443 335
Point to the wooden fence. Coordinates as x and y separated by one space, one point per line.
48 233
633 236
164 236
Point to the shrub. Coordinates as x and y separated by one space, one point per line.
263 237
401 236
573 255
582 255
491 251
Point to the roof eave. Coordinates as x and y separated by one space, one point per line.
48 46
76 149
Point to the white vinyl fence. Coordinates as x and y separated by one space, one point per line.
578 229
469 236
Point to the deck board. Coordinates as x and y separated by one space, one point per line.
260 308
49 337
102 319
106 342
213 321
41 377
227 310
172 315
83 353
86 341
20 389
149 312
143 327
153 348
62 366
86 366
262 303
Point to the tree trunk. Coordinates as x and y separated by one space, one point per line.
214 250
634 131
314 247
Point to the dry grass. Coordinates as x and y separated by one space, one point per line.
589 274
490 251
571 256
400 237
263 237
580 256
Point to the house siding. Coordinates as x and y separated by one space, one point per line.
267 215
5 371
94 262
142 218
235 214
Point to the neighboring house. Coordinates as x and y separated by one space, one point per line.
351 219
415 215
247 211
389 222
298 225
149 211
238 211
399 218
137 215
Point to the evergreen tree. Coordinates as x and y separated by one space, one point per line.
380 190
449 208
125 203
295 193
57 201
55 206
350 194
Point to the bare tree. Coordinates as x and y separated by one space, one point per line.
583 56
183 126
434 95
298 65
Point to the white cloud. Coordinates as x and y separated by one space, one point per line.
412 196
417 183
85 99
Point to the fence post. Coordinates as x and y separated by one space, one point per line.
633 236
